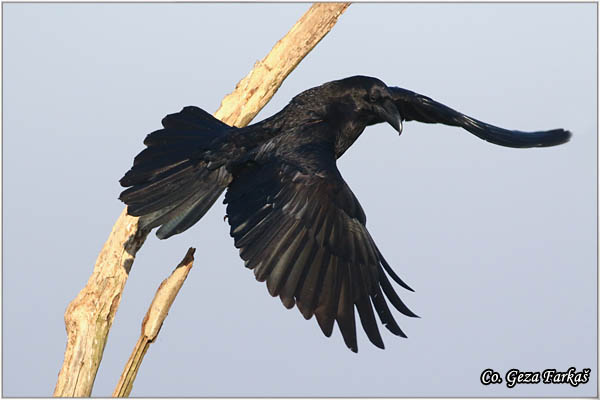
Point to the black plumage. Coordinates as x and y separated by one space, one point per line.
296 222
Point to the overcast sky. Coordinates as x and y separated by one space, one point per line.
498 243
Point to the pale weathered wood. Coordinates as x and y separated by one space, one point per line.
159 308
89 316
256 89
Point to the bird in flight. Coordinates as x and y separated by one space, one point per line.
294 219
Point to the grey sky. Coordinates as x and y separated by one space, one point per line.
499 244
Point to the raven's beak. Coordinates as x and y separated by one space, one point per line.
390 114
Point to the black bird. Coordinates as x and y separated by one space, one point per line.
293 217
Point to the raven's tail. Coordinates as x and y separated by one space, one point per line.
167 185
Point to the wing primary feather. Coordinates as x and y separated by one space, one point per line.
393 296
328 300
385 315
345 312
308 293
391 272
287 302
367 320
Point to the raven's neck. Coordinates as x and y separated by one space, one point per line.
347 135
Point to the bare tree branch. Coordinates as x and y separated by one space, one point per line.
89 316
163 299
256 89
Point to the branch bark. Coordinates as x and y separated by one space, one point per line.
89 316
159 308
256 89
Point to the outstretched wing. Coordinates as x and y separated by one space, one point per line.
303 231
416 107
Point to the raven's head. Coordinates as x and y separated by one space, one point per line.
371 98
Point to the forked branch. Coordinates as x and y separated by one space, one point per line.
157 312
90 315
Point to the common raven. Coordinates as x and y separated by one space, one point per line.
293 217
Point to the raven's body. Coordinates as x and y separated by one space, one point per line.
296 222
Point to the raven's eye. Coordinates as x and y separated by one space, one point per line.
374 95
